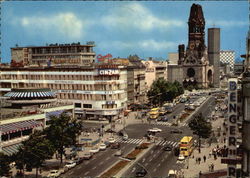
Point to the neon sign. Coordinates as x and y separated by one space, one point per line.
101 58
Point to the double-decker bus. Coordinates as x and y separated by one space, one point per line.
186 145
154 113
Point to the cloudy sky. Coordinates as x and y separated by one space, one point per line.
148 29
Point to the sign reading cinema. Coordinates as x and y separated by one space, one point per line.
232 125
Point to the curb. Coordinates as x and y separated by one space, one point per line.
121 172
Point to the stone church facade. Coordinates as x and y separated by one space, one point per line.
193 64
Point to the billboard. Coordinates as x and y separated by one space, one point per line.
232 127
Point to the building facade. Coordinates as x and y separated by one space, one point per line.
194 63
154 70
173 58
228 57
53 55
97 91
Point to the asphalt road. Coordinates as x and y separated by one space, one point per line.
99 163
157 161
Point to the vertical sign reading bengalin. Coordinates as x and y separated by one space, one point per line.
232 125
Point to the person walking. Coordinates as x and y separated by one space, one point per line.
212 167
204 158
199 160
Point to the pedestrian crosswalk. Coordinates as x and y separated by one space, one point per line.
166 142
130 141
161 123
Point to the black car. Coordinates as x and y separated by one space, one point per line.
163 119
121 133
176 131
141 173
110 131
115 145
167 148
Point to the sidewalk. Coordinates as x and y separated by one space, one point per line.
193 168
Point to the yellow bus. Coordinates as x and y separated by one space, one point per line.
154 113
186 145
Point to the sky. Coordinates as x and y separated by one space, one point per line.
121 28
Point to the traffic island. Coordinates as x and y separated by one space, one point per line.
114 170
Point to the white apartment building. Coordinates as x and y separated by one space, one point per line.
97 91
228 57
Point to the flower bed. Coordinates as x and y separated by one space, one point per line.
143 146
115 169
133 154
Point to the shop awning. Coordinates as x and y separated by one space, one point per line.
9 150
19 126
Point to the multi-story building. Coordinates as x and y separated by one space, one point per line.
228 57
97 91
53 55
154 70
136 90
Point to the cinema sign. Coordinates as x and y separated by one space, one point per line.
232 126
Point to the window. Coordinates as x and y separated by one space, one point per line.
87 105
78 105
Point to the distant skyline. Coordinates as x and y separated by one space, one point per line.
121 28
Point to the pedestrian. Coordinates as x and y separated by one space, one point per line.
200 173
204 158
212 167
209 167
210 154
199 160
196 160
224 139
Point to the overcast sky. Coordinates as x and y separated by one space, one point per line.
148 29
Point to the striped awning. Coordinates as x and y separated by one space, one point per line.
30 94
9 150
19 126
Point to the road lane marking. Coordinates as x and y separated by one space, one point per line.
94 158
133 170
86 173
143 159
158 165
146 164
107 158
150 160
101 163
94 167
154 170
151 152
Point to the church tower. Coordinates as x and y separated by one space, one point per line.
194 61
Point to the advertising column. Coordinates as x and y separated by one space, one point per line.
232 125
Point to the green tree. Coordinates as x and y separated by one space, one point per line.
34 152
162 91
4 164
62 132
200 127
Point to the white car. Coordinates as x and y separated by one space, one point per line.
70 164
125 137
118 152
181 158
155 130
102 146
54 173
111 140
94 150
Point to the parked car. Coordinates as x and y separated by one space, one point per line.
121 133
70 164
141 173
78 160
115 145
102 147
176 131
118 152
87 156
54 173
94 150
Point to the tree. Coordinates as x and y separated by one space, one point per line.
162 91
4 164
34 151
62 132
200 127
